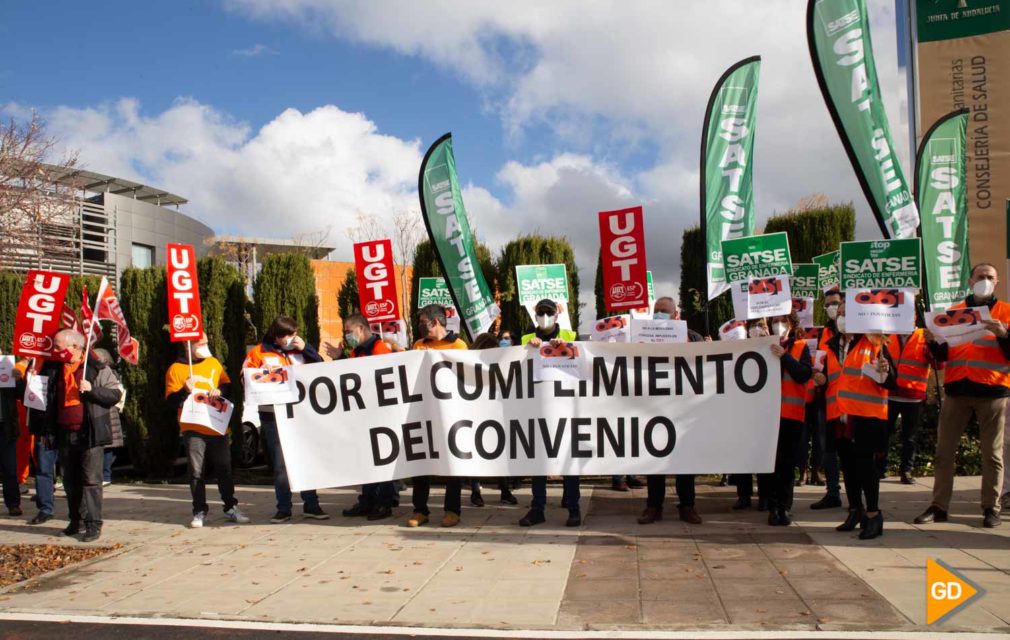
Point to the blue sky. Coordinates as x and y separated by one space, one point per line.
288 117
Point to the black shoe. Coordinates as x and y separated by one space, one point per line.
316 514
853 520
91 534
508 498
991 519
827 502
762 504
741 504
883 475
41 518
773 518
634 482
532 517
874 527
15 512
476 500
357 511
620 486
73 528
785 518
281 517
932 514
906 478
380 513
574 519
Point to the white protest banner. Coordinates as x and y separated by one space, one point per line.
269 385
538 282
658 331
612 329
762 297
7 379
214 413
395 330
880 310
563 362
733 330
36 389
959 326
644 408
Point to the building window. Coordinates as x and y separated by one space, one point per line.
143 256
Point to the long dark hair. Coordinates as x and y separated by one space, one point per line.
485 341
282 326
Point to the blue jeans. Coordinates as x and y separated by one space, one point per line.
8 469
570 493
110 457
45 476
282 489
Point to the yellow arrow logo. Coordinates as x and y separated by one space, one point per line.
947 591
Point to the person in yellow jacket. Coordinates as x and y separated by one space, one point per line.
976 381
206 450
431 323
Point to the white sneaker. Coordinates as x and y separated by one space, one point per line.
237 516
106 483
197 520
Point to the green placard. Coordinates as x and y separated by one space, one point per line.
803 284
433 291
881 264
948 19
539 281
827 270
757 257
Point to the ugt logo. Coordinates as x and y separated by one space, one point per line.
623 291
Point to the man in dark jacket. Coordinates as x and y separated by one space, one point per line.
76 418
9 432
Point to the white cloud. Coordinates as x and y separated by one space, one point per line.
254 51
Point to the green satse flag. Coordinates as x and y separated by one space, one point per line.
941 175
838 35
727 140
803 283
449 231
827 271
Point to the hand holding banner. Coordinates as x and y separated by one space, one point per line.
200 408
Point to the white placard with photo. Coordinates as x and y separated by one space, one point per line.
269 386
213 413
7 380
959 326
880 311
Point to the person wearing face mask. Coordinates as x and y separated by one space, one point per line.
481 342
375 502
77 420
906 400
282 346
547 330
505 339
431 325
207 451
666 309
857 410
797 368
756 328
832 498
976 380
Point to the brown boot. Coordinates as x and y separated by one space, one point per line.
650 515
689 515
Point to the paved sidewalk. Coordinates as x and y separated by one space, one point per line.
733 572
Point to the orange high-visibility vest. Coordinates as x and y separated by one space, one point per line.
981 360
826 334
794 394
913 362
858 395
833 372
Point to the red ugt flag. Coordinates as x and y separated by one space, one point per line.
107 308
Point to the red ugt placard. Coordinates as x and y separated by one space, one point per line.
184 318
625 274
373 264
39 311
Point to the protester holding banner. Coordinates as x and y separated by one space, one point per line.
547 330
859 370
666 309
755 328
376 499
906 400
76 419
431 324
505 339
797 364
832 475
207 450
10 431
976 380
282 347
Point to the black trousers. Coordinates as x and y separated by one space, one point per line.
377 494
453 492
656 487
810 453
780 483
209 456
859 457
909 413
82 478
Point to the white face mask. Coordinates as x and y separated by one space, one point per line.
756 332
780 328
840 323
545 322
832 311
983 289
203 351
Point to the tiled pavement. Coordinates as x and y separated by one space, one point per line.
732 572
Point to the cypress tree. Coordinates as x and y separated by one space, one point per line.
286 285
531 250
222 303
10 294
816 231
601 303
348 302
694 290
